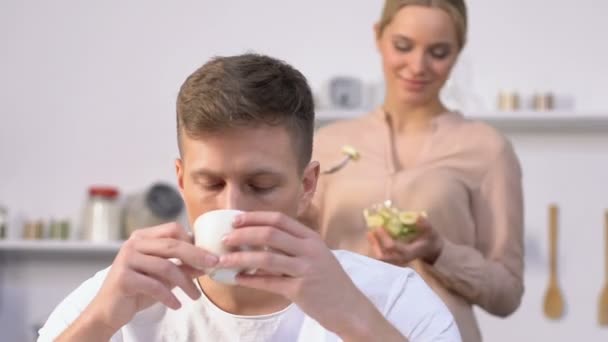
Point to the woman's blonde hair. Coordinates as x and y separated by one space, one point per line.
457 10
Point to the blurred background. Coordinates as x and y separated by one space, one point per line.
87 97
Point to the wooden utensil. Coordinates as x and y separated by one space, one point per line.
602 314
554 300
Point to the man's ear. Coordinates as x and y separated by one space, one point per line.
179 173
310 176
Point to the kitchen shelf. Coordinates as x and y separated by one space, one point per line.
551 121
57 246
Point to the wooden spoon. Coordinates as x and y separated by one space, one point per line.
554 300
602 314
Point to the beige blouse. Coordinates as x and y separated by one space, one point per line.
468 180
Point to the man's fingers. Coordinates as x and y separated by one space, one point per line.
191 272
172 248
265 237
274 219
165 271
155 289
268 261
167 230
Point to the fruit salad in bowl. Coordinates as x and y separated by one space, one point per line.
399 224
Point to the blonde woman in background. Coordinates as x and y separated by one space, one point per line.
421 156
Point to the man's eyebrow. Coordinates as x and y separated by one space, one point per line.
263 172
251 173
205 173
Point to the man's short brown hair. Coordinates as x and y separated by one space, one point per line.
247 90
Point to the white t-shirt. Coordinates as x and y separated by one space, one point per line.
398 293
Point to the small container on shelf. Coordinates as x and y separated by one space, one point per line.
543 102
59 230
508 101
3 223
33 230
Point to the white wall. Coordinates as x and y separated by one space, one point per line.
569 170
87 93
76 78
541 45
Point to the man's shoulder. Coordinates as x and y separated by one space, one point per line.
378 280
402 296
357 263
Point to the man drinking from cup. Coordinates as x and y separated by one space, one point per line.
245 126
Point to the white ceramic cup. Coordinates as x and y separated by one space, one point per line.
209 229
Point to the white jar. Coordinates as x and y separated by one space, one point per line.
101 215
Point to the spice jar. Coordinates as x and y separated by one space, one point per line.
3 222
33 230
101 215
543 102
59 230
508 101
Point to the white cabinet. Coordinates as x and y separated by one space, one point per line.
36 275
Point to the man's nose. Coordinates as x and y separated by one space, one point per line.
233 198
